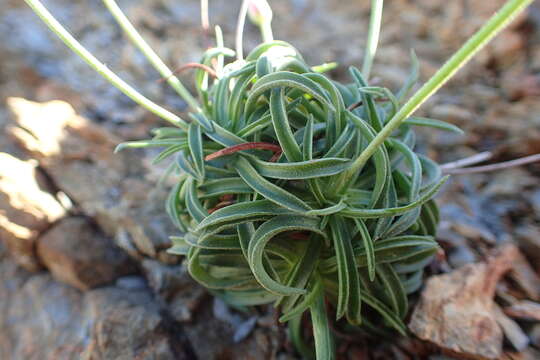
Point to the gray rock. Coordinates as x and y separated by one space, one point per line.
44 319
175 287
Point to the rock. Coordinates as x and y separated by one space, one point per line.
26 209
511 330
80 255
525 309
78 156
175 287
214 339
520 86
452 113
44 319
528 238
526 278
534 334
455 310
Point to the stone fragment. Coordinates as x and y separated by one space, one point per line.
455 311
511 330
175 287
525 309
526 278
80 255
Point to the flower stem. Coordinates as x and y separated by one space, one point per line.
493 26
150 54
373 36
240 29
100 68
266 31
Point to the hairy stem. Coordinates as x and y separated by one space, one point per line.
100 68
150 54
373 36
494 25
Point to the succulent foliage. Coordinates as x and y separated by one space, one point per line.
295 189
260 200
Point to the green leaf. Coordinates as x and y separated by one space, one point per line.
147 144
324 342
196 148
225 186
333 209
304 304
172 205
171 150
399 248
307 144
268 190
201 275
349 301
433 123
376 213
308 169
368 247
414 165
380 157
264 47
193 205
186 165
394 288
386 313
301 272
244 211
289 80
263 235
281 126
203 121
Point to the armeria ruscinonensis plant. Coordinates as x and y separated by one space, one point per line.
295 189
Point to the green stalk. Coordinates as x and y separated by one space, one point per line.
220 44
100 68
240 29
150 54
373 36
494 25
266 31
324 342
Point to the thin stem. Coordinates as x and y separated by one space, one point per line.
471 160
495 24
220 44
100 68
494 167
150 54
266 31
240 29
373 36
205 19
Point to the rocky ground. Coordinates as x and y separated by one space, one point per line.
83 268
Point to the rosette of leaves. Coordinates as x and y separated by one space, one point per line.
267 209
294 189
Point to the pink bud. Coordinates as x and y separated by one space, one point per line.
259 12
